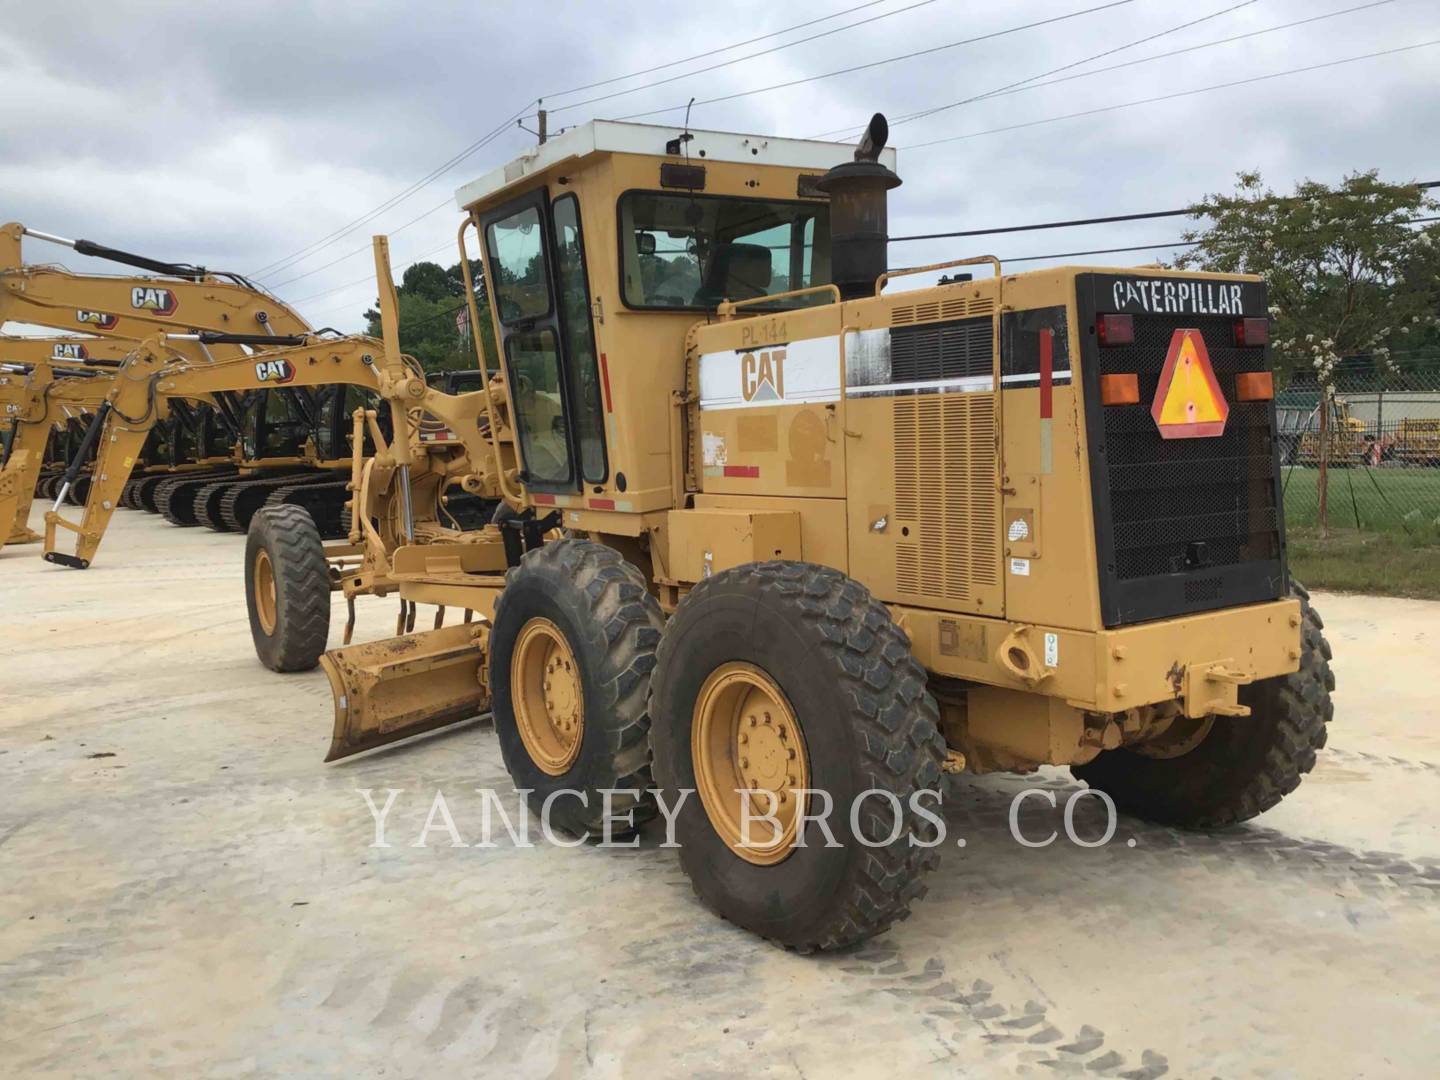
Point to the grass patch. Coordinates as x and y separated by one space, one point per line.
1385 563
1406 501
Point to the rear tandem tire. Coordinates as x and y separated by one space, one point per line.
867 723
1246 764
287 589
579 605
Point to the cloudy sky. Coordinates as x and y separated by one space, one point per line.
242 135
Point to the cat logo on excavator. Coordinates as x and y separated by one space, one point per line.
149 298
274 371
1188 403
67 350
104 320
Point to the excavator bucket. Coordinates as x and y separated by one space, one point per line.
391 689
13 478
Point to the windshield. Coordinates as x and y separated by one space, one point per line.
692 251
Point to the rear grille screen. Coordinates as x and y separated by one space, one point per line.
1182 524
1169 495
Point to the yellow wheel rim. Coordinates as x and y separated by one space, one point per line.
747 748
546 691
265 603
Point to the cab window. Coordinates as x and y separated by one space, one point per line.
574 309
517 255
515 242
689 252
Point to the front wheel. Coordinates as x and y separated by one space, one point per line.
1234 767
287 589
571 653
784 691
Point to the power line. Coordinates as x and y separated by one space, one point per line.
1098 251
1014 88
1188 211
1161 245
363 247
1149 247
889 60
716 52
1178 94
330 238
325 241
752 56
394 200
371 277
1022 84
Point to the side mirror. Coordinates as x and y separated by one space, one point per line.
645 243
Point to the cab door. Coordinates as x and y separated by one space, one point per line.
536 265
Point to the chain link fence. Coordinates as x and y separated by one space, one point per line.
1372 462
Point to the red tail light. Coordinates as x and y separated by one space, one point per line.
1251 332
1115 330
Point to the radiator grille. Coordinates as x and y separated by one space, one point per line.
945 495
945 350
955 307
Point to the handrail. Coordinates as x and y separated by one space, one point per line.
974 260
494 433
727 307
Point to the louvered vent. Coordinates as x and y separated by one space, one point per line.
945 494
954 308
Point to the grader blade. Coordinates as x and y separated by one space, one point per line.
389 690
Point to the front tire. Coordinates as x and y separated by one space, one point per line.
571 653
805 643
287 589
1245 764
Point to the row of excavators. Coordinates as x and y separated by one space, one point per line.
210 461
750 529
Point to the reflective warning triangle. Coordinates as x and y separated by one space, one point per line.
1188 403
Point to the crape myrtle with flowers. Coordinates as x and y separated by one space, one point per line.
1350 273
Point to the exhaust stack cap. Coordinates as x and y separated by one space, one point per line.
859 220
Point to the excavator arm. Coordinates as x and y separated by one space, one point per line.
135 306
154 374
35 402
62 350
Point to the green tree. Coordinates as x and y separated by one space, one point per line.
430 298
1348 272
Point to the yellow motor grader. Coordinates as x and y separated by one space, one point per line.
780 544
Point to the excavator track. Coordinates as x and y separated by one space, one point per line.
240 501
175 498
206 504
325 503
210 499
79 490
45 487
145 492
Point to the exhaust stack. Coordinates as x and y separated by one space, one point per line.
859 220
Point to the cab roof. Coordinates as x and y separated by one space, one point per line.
614 137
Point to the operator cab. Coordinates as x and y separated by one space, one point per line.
602 248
